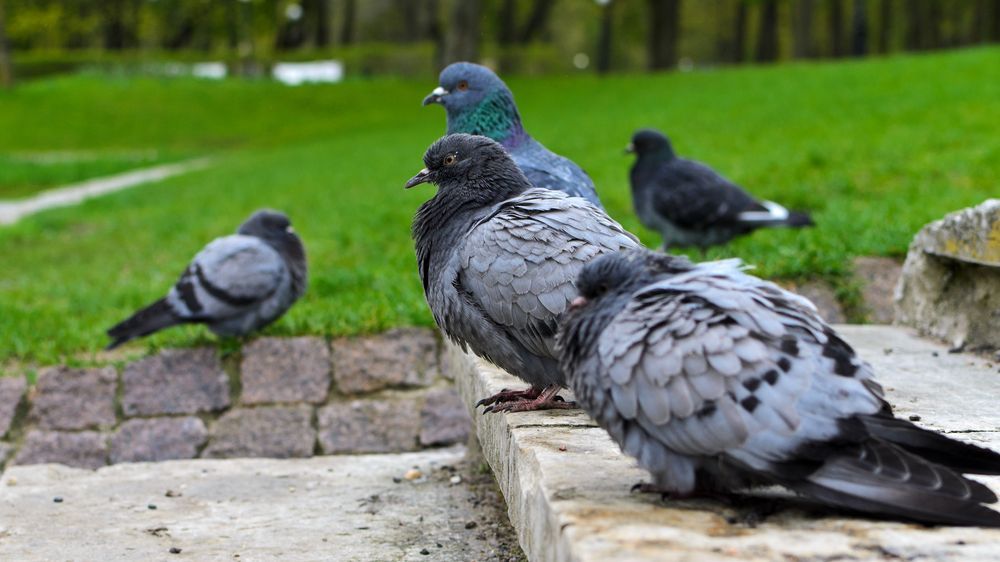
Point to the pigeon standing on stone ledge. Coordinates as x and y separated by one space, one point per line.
690 204
235 285
479 103
715 380
498 260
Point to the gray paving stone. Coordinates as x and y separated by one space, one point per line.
11 393
401 357
878 277
822 295
158 439
80 449
285 370
67 398
444 419
275 431
6 450
175 381
369 426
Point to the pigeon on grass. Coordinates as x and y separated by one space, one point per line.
235 285
716 380
498 260
690 204
479 103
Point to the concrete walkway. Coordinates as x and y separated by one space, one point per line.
358 507
567 484
13 211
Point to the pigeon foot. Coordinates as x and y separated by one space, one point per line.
547 399
507 395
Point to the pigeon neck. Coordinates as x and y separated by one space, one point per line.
290 249
495 117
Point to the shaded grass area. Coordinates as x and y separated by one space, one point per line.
874 149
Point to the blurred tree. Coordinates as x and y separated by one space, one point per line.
322 23
462 38
835 15
507 23
6 74
767 34
802 29
541 12
119 25
347 25
740 32
604 38
884 25
664 33
859 29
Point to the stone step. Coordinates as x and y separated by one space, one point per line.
347 507
567 485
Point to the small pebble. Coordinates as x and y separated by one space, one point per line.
914 417
424 551
12 481
175 550
57 499
151 506
396 479
173 494
455 479
934 354
471 525
562 448
413 474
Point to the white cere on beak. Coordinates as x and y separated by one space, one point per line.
439 91
289 229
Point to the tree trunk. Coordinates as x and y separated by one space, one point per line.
913 23
836 16
932 26
347 26
541 11
6 74
433 31
859 29
767 37
664 33
507 22
322 23
802 29
462 40
884 25
604 40
740 32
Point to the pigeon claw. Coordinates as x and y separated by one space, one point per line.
507 395
546 399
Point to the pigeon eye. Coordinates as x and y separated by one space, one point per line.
463 86
450 160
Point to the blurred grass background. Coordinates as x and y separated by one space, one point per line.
874 149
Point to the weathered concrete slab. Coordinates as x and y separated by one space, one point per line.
567 484
327 508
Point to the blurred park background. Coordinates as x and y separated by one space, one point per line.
877 116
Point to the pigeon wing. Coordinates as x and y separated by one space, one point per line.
694 196
229 275
519 264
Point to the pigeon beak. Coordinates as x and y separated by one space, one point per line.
423 176
577 303
630 148
435 96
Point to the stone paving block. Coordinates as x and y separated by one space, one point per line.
67 398
369 426
444 419
279 431
175 381
11 392
285 370
158 439
401 357
821 294
878 277
82 449
6 449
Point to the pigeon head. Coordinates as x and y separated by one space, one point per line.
477 102
472 165
650 142
266 223
624 272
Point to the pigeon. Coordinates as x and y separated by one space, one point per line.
692 205
479 103
235 285
498 259
716 380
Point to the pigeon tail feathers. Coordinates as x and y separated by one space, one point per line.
153 318
933 446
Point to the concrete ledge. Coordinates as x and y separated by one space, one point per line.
567 485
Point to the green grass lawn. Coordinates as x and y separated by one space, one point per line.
874 149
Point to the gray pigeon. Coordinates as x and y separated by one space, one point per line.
715 380
479 103
690 204
235 285
498 260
